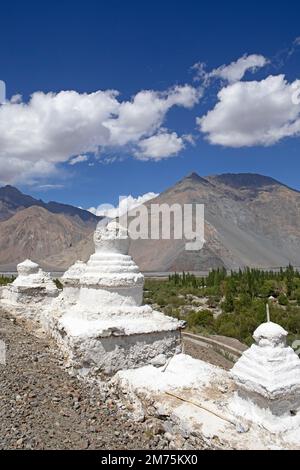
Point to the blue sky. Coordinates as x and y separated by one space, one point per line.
133 46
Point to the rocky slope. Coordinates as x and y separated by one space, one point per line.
44 407
250 220
38 234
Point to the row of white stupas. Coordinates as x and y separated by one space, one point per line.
101 326
98 319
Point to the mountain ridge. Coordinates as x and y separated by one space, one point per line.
250 220
12 200
38 234
248 180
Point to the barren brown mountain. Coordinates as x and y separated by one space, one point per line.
38 234
250 220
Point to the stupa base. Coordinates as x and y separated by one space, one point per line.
100 348
27 302
277 415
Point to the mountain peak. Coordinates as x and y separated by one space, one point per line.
8 189
14 197
193 175
195 178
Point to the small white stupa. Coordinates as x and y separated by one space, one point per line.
31 290
267 377
108 328
71 281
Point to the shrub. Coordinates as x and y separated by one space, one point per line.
269 287
297 295
202 318
283 300
228 304
229 329
4 280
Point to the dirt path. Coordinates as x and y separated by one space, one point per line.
43 407
206 354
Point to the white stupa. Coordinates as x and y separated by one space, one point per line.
111 280
267 377
71 281
108 328
32 290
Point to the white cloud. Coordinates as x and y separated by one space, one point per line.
126 203
236 70
15 169
53 128
78 159
190 138
50 129
16 98
254 113
159 146
233 72
145 114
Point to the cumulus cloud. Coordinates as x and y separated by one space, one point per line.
78 159
254 113
126 203
52 128
236 70
16 98
146 112
233 72
162 145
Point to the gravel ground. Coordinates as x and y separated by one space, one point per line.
43 407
